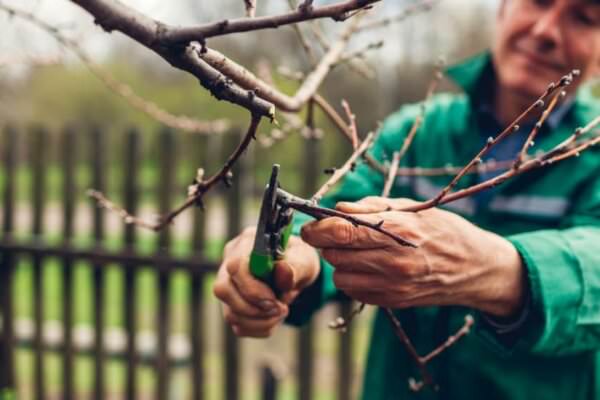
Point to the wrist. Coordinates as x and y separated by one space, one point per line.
504 294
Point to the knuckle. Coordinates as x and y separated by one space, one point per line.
331 255
220 290
345 233
229 317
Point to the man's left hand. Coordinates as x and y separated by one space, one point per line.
456 263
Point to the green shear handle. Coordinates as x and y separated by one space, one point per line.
272 231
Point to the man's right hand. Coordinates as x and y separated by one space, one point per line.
249 305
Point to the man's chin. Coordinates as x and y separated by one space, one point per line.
528 87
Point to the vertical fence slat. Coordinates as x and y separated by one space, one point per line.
234 215
97 150
130 191
7 381
268 383
68 155
165 189
38 162
305 357
345 355
200 148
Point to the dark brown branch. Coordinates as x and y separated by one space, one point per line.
310 208
112 15
338 11
246 79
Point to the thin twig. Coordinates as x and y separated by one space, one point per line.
437 78
536 128
339 11
344 169
389 182
247 80
351 124
491 142
463 331
310 208
123 90
421 6
112 15
250 8
195 192
308 50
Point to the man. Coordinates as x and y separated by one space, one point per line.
523 258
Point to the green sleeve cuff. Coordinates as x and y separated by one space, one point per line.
556 289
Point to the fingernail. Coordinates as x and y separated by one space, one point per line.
267 305
273 312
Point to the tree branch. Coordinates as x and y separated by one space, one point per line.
344 169
338 11
123 90
113 15
196 191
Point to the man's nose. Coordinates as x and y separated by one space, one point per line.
547 29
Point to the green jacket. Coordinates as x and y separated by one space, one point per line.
552 216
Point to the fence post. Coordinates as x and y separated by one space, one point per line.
234 196
312 171
130 163
165 189
68 153
200 147
269 383
97 153
7 381
38 190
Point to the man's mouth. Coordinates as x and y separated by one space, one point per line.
531 52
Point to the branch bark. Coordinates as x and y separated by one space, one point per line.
337 11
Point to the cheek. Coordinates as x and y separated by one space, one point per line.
585 56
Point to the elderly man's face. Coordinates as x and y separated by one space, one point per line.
538 41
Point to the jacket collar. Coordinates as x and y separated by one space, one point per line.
476 75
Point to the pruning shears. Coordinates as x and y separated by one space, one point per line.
273 230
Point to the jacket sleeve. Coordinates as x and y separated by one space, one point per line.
360 183
563 268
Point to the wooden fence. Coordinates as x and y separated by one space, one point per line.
36 248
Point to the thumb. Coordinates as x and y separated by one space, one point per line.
284 276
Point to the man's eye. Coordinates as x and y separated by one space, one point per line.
584 18
542 3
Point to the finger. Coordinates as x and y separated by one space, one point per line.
353 281
338 232
371 204
251 289
244 326
284 276
403 203
227 292
357 261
